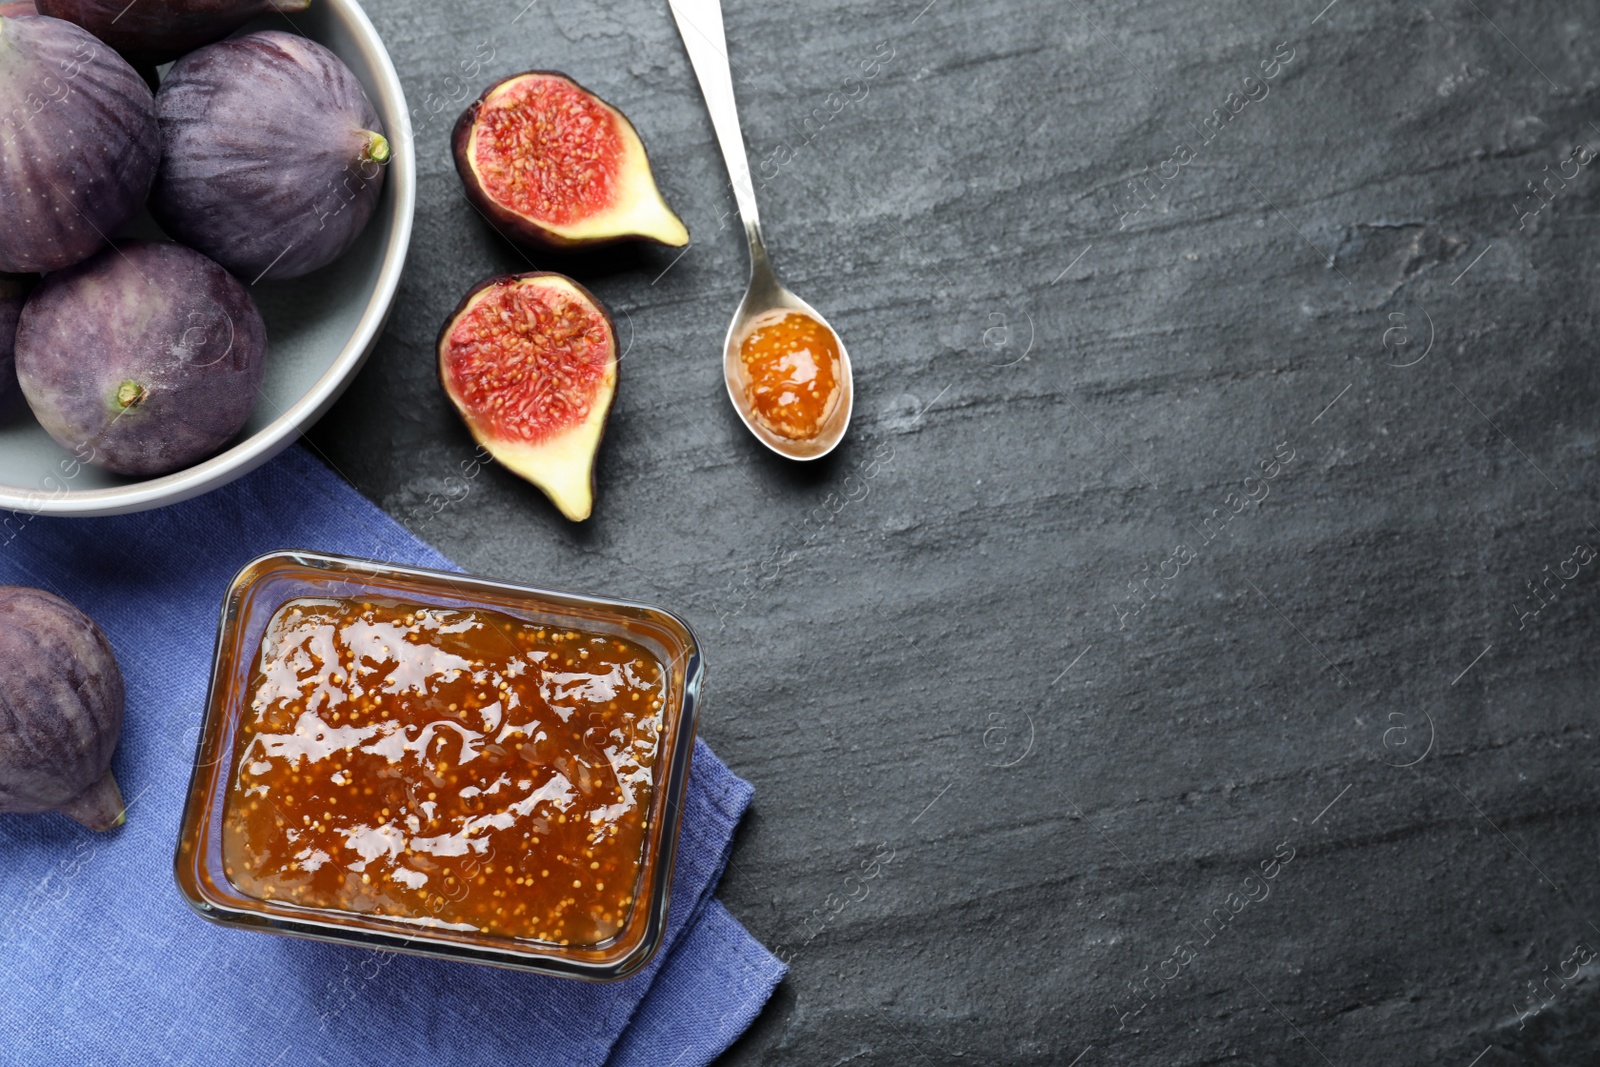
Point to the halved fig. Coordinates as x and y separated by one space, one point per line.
553 165
530 362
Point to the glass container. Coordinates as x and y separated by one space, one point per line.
271 581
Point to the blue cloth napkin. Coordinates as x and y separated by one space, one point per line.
101 960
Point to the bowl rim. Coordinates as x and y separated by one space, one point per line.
267 442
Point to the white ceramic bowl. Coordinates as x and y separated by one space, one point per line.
319 327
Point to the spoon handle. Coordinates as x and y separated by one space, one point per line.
700 26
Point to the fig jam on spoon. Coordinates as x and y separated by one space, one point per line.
787 371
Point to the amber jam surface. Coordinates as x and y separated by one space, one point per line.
791 370
445 767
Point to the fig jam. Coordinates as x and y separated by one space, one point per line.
791 368
447 767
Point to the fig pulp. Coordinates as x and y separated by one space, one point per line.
152 32
61 700
272 155
143 360
553 165
13 293
530 362
78 143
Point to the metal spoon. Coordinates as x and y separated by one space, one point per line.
700 25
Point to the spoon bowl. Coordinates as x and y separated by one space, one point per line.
768 294
700 26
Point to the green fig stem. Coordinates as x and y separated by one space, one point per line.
376 150
129 394
99 807
288 7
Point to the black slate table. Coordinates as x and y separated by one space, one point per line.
1188 659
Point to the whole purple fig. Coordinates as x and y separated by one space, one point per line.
61 698
152 32
143 360
273 155
78 143
13 293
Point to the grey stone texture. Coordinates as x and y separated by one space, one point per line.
1210 430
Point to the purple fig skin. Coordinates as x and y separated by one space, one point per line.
274 156
79 143
61 704
152 32
143 360
13 294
